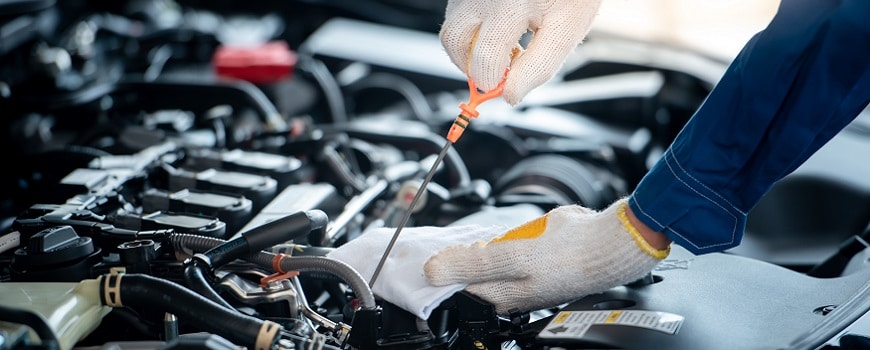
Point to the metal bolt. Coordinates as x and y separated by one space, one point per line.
824 310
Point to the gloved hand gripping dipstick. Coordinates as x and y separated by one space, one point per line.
468 112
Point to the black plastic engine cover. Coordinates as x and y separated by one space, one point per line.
726 301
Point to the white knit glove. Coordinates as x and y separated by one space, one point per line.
558 26
566 254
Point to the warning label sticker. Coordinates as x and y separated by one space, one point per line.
574 324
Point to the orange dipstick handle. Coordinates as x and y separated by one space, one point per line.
469 110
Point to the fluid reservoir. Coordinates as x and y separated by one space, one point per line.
33 313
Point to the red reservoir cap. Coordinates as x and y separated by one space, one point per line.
261 64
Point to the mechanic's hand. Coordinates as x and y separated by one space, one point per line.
558 26
568 253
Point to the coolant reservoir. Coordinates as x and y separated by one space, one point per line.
70 310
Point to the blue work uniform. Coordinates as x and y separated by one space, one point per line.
793 87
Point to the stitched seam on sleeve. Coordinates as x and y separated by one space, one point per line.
675 232
677 162
644 213
733 226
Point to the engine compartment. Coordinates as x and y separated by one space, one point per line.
179 170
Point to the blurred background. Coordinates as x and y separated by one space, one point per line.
716 27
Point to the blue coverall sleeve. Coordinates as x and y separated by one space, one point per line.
790 90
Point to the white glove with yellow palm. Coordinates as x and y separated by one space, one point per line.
570 252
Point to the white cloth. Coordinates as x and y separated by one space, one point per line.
401 280
558 27
566 254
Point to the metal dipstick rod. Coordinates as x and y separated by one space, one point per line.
469 111
408 211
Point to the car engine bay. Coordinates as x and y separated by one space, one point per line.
178 172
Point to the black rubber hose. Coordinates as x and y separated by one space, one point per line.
331 90
190 244
401 85
146 292
261 237
228 251
197 281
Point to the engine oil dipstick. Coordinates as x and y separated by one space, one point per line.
468 111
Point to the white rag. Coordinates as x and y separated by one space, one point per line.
401 280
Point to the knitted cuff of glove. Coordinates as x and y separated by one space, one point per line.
644 246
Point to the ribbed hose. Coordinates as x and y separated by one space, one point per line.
143 291
193 243
323 264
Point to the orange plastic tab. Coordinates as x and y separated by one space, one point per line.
469 109
277 277
279 274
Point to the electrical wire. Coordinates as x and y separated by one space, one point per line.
158 57
331 89
404 87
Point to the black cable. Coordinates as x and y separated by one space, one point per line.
404 87
331 89
343 166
